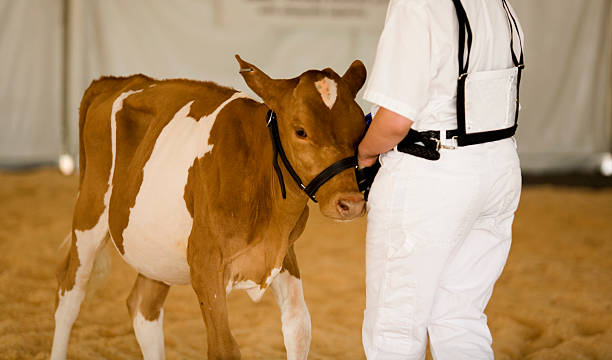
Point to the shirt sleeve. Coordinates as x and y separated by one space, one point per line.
400 78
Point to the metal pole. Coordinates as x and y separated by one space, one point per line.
66 159
605 165
609 105
65 55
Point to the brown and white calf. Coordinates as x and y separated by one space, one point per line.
180 174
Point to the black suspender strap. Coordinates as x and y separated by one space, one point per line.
465 40
513 24
424 144
465 30
519 63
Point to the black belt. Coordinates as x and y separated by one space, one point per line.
436 134
424 144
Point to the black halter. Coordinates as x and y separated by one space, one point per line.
325 175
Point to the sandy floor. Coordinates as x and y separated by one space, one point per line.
554 300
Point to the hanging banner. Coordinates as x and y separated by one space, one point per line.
343 13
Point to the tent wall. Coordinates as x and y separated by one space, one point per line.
565 123
30 81
198 40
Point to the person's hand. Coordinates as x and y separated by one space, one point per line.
366 172
386 130
365 161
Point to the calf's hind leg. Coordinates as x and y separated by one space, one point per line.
145 305
73 275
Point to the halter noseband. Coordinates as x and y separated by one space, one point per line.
324 176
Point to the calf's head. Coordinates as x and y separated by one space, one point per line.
319 123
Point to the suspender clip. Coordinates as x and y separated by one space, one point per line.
462 76
451 147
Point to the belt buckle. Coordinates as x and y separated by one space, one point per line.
439 144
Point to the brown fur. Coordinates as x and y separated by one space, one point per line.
139 123
147 297
65 282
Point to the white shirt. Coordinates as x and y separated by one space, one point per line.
416 68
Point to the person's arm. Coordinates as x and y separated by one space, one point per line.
387 130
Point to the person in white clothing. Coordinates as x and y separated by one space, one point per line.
440 210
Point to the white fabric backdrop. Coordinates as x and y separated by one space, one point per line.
565 122
30 81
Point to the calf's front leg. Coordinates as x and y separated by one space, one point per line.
287 289
207 280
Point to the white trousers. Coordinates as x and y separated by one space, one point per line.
437 240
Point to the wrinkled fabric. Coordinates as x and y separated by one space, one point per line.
438 237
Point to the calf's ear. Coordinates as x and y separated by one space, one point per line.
269 90
355 76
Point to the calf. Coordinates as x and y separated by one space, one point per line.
184 176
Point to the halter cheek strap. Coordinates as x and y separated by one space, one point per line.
324 176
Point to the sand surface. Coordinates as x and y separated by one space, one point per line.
553 301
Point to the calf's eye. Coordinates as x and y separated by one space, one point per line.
301 133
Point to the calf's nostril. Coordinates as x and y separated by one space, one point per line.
343 206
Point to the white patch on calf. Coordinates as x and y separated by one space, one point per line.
328 90
65 315
150 335
88 243
117 106
155 239
253 289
